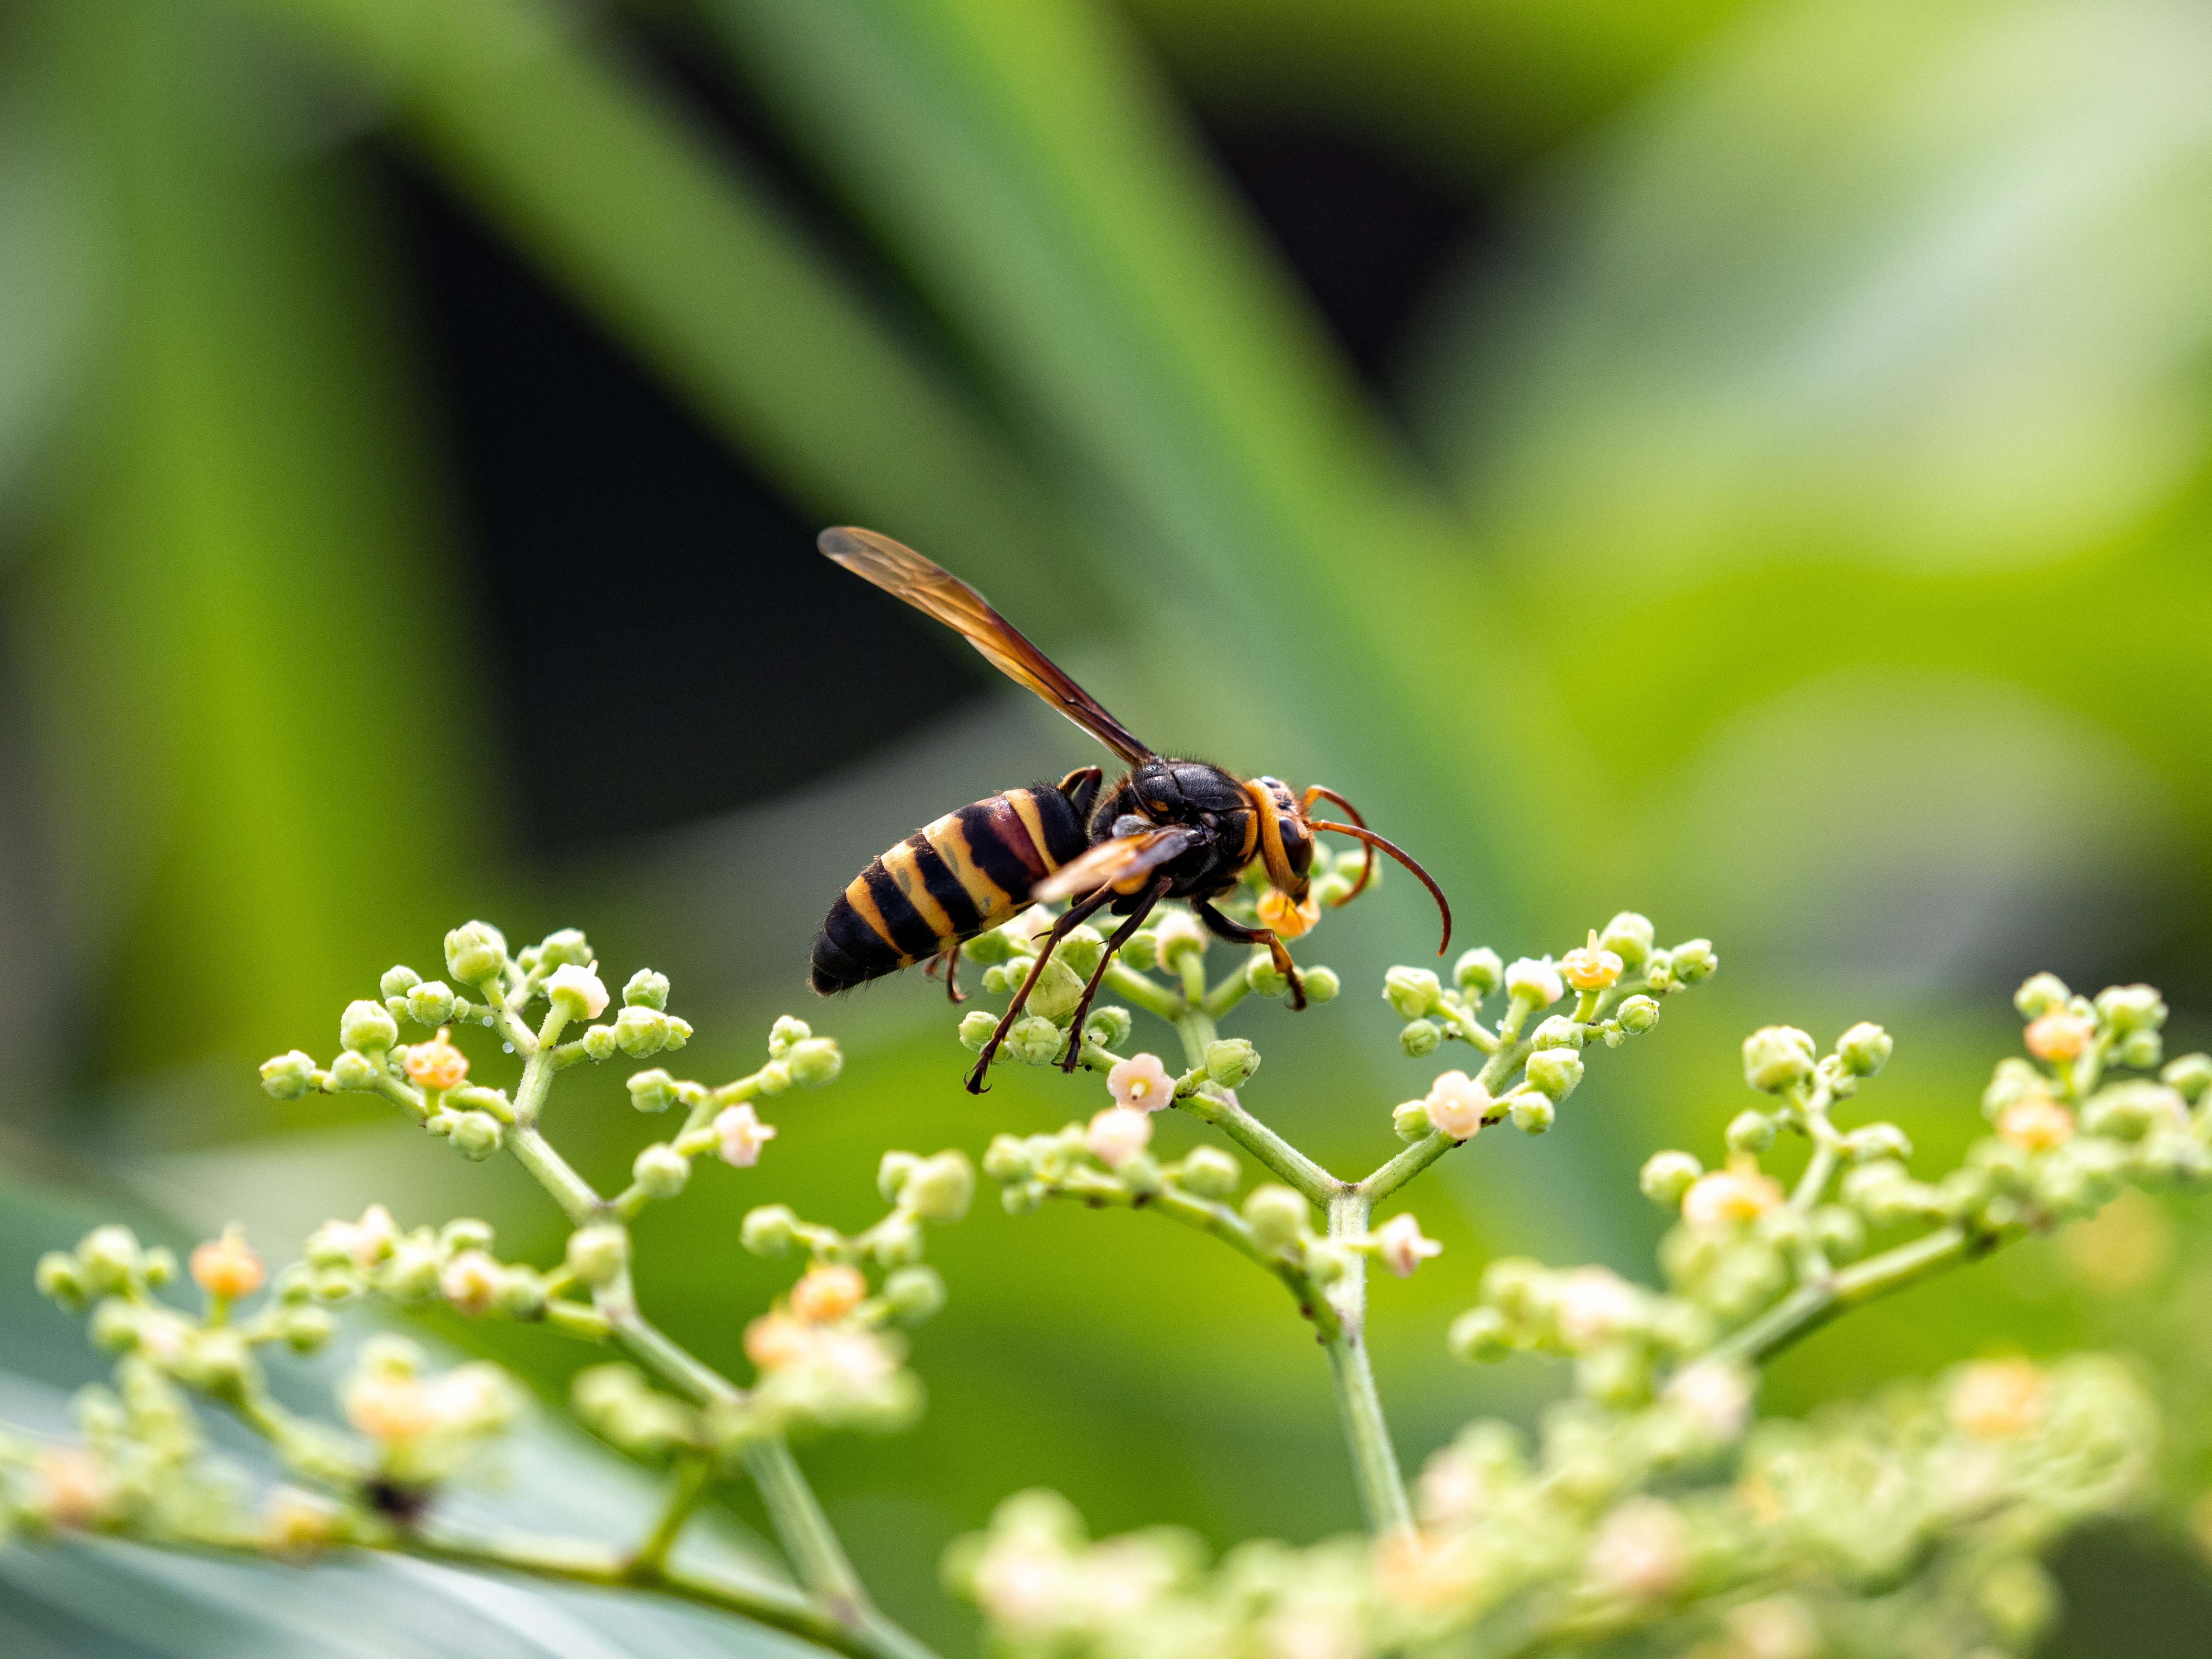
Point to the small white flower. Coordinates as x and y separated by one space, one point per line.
1141 1083
581 989
1728 1195
1400 1246
1179 931
1641 1552
1456 1104
1118 1134
1716 1397
470 1281
742 1135
1534 981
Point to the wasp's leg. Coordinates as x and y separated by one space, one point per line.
1236 934
1075 915
1367 864
951 958
1090 991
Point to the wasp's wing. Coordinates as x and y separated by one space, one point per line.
899 569
1112 862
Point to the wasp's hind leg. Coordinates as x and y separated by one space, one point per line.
1090 991
1075 915
1237 933
951 959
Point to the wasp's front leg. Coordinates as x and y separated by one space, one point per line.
1237 933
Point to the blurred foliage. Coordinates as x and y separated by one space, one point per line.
1794 496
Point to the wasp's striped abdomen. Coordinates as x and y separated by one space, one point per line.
949 880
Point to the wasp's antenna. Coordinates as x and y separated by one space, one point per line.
1320 792
1373 839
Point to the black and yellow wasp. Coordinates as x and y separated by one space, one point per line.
1167 829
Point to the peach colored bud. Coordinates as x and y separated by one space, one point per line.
225 1267
1728 1195
69 1488
1399 1245
1118 1134
371 1238
2037 1122
1591 967
294 1522
390 1408
1593 1305
1420 1570
1641 1552
828 1291
1995 1399
437 1064
470 1282
1287 919
739 1134
1141 1083
2059 1035
581 989
1456 1104
776 1340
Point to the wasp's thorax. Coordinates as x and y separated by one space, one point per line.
1240 820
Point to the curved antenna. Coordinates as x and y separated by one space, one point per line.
1320 792
1443 906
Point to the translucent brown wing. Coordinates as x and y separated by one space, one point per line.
1112 862
899 569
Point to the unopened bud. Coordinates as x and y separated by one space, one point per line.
653 1091
475 952
1628 936
1776 1056
814 1062
1410 1122
566 947
1873 1141
1322 984
288 1076
661 1170
785 1034
57 1279
768 1229
1209 1172
1261 974
431 1005
896 1241
465 1233
976 1028
477 1135
2128 1008
646 989
1006 1159
1555 1072
941 1188
892 1172
1107 1027
1638 1014
1558 1032
1666 1175
1480 1336
914 1293
1033 1040
1421 1038
352 1073
368 1028
398 982
2041 994
1864 1049
1413 992
1534 1113
641 1032
1695 961
1750 1131
2191 1076
1479 972
1231 1060
1278 1218
598 1254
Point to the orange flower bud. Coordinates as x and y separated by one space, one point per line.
225 1267
828 1292
2037 1122
1591 967
1996 1399
1288 920
776 1340
69 1488
391 1407
2059 1035
437 1064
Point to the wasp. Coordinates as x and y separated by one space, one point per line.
1166 828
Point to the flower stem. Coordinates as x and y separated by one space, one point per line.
1374 1461
1808 1307
1408 1163
685 1494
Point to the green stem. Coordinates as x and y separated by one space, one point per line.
1150 995
552 1171
685 1494
1407 1164
805 1532
1808 1307
1219 1108
1374 1461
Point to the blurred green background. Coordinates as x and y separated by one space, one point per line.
1739 459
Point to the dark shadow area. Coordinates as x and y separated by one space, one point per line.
2130 1595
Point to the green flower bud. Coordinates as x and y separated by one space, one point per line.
1024 1198
1874 1141
992 947
398 982
597 1254
1324 1262
641 1032
1864 1049
1628 936
914 1293
115 1326
2127 1008
941 1188
1261 974
768 1229
368 1028
1006 1159
1750 1131
2191 1075
1480 1336
1776 1056
521 1295
431 1005
652 1090
336 1284
896 1241
1034 1041
411 1274
1322 984
352 1073
1558 1032
774 1077
679 1033
159 1266
1534 1113
1278 1218
1142 952
288 1076
1553 1071
1659 972
2019 1599
1840 1232
1616 1375
598 1042
2132 1109
1666 1175
2040 994
661 1170
1479 972
976 1028
108 1256
1413 992
2140 1050
305 1329
477 1135
814 1062
1108 1027
891 1173
1231 1060
1080 947
1209 1172
1410 1123
1695 961
475 952
1420 1037
787 1033
58 1279
465 1233
566 948
1058 989
1637 1015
